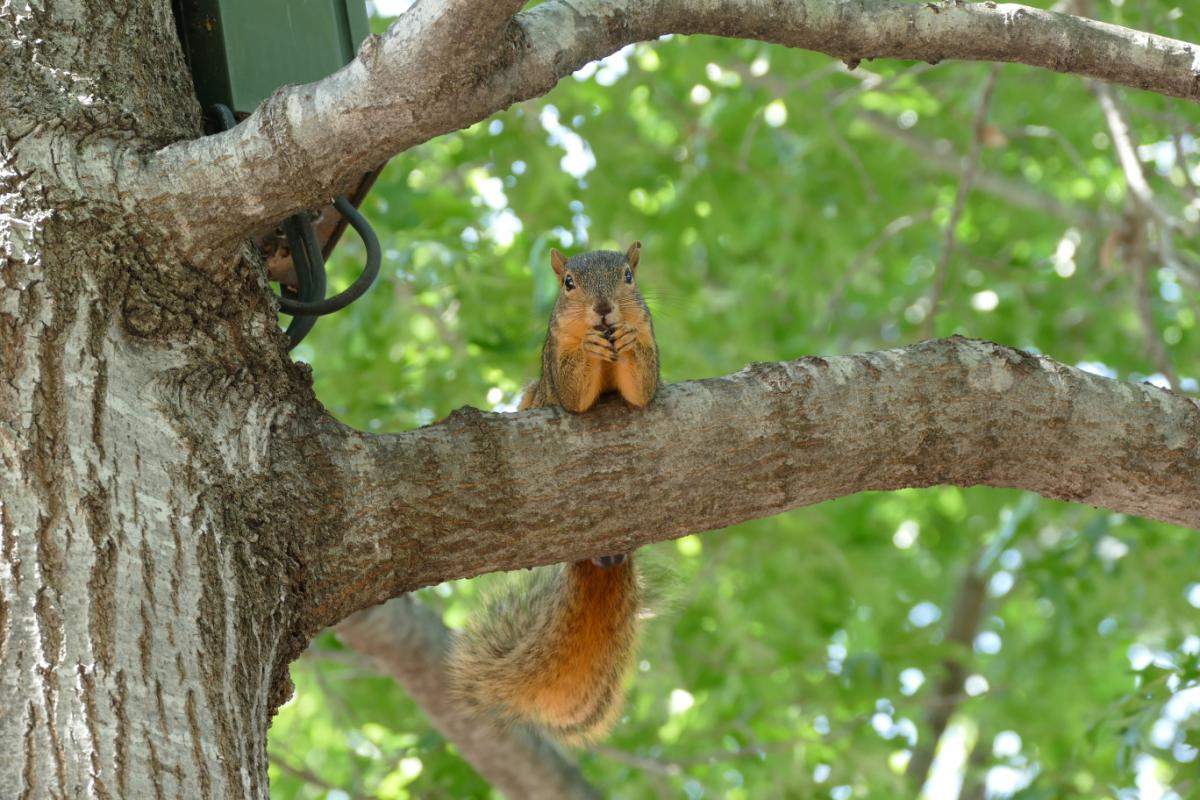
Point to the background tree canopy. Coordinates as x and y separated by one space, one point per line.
789 206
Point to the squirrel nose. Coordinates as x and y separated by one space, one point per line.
603 308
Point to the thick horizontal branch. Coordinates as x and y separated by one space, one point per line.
444 66
408 641
480 492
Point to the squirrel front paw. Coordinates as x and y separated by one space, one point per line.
623 337
599 345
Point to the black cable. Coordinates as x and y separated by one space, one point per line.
359 287
308 286
224 115
310 301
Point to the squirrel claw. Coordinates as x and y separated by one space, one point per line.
598 345
602 353
624 338
615 560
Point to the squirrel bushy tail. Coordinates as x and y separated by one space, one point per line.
554 653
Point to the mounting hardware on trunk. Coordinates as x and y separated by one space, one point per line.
239 53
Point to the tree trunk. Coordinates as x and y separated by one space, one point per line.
178 515
144 585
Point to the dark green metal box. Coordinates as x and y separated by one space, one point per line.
240 51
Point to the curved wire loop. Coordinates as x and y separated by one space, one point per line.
309 301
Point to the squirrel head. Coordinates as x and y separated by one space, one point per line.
600 287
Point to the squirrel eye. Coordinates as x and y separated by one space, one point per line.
569 282
629 276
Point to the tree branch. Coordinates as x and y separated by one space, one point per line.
970 170
863 259
940 155
1144 204
309 777
1143 216
949 692
408 641
483 492
444 66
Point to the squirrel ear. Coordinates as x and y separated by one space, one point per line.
558 261
633 253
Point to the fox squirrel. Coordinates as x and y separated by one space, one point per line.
555 653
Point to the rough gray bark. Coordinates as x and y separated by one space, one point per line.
177 513
146 612
408 641
483 492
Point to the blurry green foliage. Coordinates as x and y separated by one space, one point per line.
784 211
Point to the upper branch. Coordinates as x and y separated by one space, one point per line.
481 492
444 66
